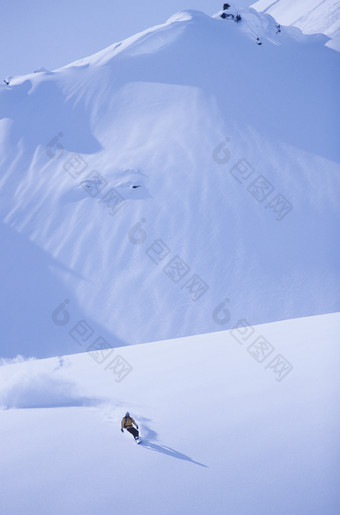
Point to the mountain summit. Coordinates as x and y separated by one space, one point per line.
162 187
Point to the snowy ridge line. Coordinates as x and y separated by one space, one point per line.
254 23
139 138
313 17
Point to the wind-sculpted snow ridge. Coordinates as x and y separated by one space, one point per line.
174 183
311 17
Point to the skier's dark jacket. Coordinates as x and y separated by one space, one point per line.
127 422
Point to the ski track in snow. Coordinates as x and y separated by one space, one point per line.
218 427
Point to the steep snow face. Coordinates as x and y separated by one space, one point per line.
311 17
226 429
171 184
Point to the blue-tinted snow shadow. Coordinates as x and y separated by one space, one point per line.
30 294
264 86
38 113
148 435
87 190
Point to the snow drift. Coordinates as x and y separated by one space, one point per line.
223 430
171 184
311 17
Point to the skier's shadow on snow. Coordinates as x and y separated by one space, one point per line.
149 434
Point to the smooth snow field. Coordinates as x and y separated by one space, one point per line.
226 428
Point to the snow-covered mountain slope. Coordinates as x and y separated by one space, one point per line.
172 184
225 432
311 17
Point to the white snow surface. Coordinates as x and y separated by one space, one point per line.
217 134
220 433
171 147
311 16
